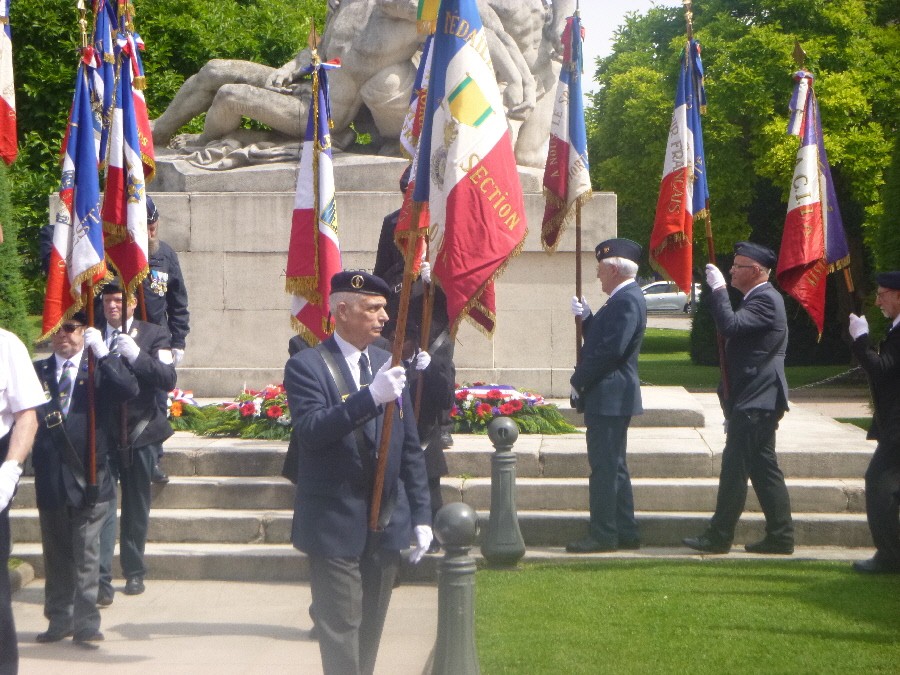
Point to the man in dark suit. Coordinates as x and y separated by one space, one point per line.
145 348
338 435
606 387
756 336
883 475
71 511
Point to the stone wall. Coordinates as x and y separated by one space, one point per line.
233 249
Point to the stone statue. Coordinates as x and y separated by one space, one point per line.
378 46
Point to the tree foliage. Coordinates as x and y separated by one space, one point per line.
181 36
13 316
853 48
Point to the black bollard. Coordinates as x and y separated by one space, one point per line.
503 545
455 526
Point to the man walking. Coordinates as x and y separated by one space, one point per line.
756 336
71 512
145 349
339 410
883 475
607 389
20 395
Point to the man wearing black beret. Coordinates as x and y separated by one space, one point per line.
756 336
338 410
606 387
883 475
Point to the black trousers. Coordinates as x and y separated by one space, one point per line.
883 502
9 651
611 497
750 452
351 597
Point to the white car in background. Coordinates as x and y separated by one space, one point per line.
666 296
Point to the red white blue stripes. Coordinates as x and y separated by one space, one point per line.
8 141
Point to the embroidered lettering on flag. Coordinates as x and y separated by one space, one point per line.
467 169
684 192
814 242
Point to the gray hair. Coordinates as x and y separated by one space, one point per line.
342 296
623 266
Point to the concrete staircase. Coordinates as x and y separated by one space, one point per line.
226 514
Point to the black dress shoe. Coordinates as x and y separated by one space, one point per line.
588 545
446 439
134 586
875 566
52 636
105 597
705 544
88 640
159 475
629 544
434 547
770 546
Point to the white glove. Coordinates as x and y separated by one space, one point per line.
422 360
580 308
424 535
714 277
93 340
858 327
127 347
388 383
9 478
425 271
177 355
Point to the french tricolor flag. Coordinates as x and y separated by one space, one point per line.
8 142
77 255
314 252
814 242
125 199
567 180
684 193
466 169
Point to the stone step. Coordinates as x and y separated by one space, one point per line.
661 534
207 495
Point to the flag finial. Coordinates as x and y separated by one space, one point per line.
799 54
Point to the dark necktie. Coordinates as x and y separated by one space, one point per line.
365 375
113 342
66 379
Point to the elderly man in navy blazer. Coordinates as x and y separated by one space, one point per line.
71 511
883 475
756 336
606 387
338 407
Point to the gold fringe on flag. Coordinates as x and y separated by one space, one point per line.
562 218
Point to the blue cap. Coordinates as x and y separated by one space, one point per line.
359 282
756 252
152 211
619 248
889 280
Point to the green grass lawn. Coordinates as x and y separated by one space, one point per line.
657 616
665 360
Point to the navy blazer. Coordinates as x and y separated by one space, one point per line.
54 481
606 378
883 371
332 501
154 376
756 335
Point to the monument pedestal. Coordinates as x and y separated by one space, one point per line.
231 231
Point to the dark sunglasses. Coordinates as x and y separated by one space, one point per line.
71 327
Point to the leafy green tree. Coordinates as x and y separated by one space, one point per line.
181 35
13 316
853 50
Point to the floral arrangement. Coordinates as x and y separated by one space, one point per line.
253 414
477 404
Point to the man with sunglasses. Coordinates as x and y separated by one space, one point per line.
883 475
20 395
70 509
754 401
